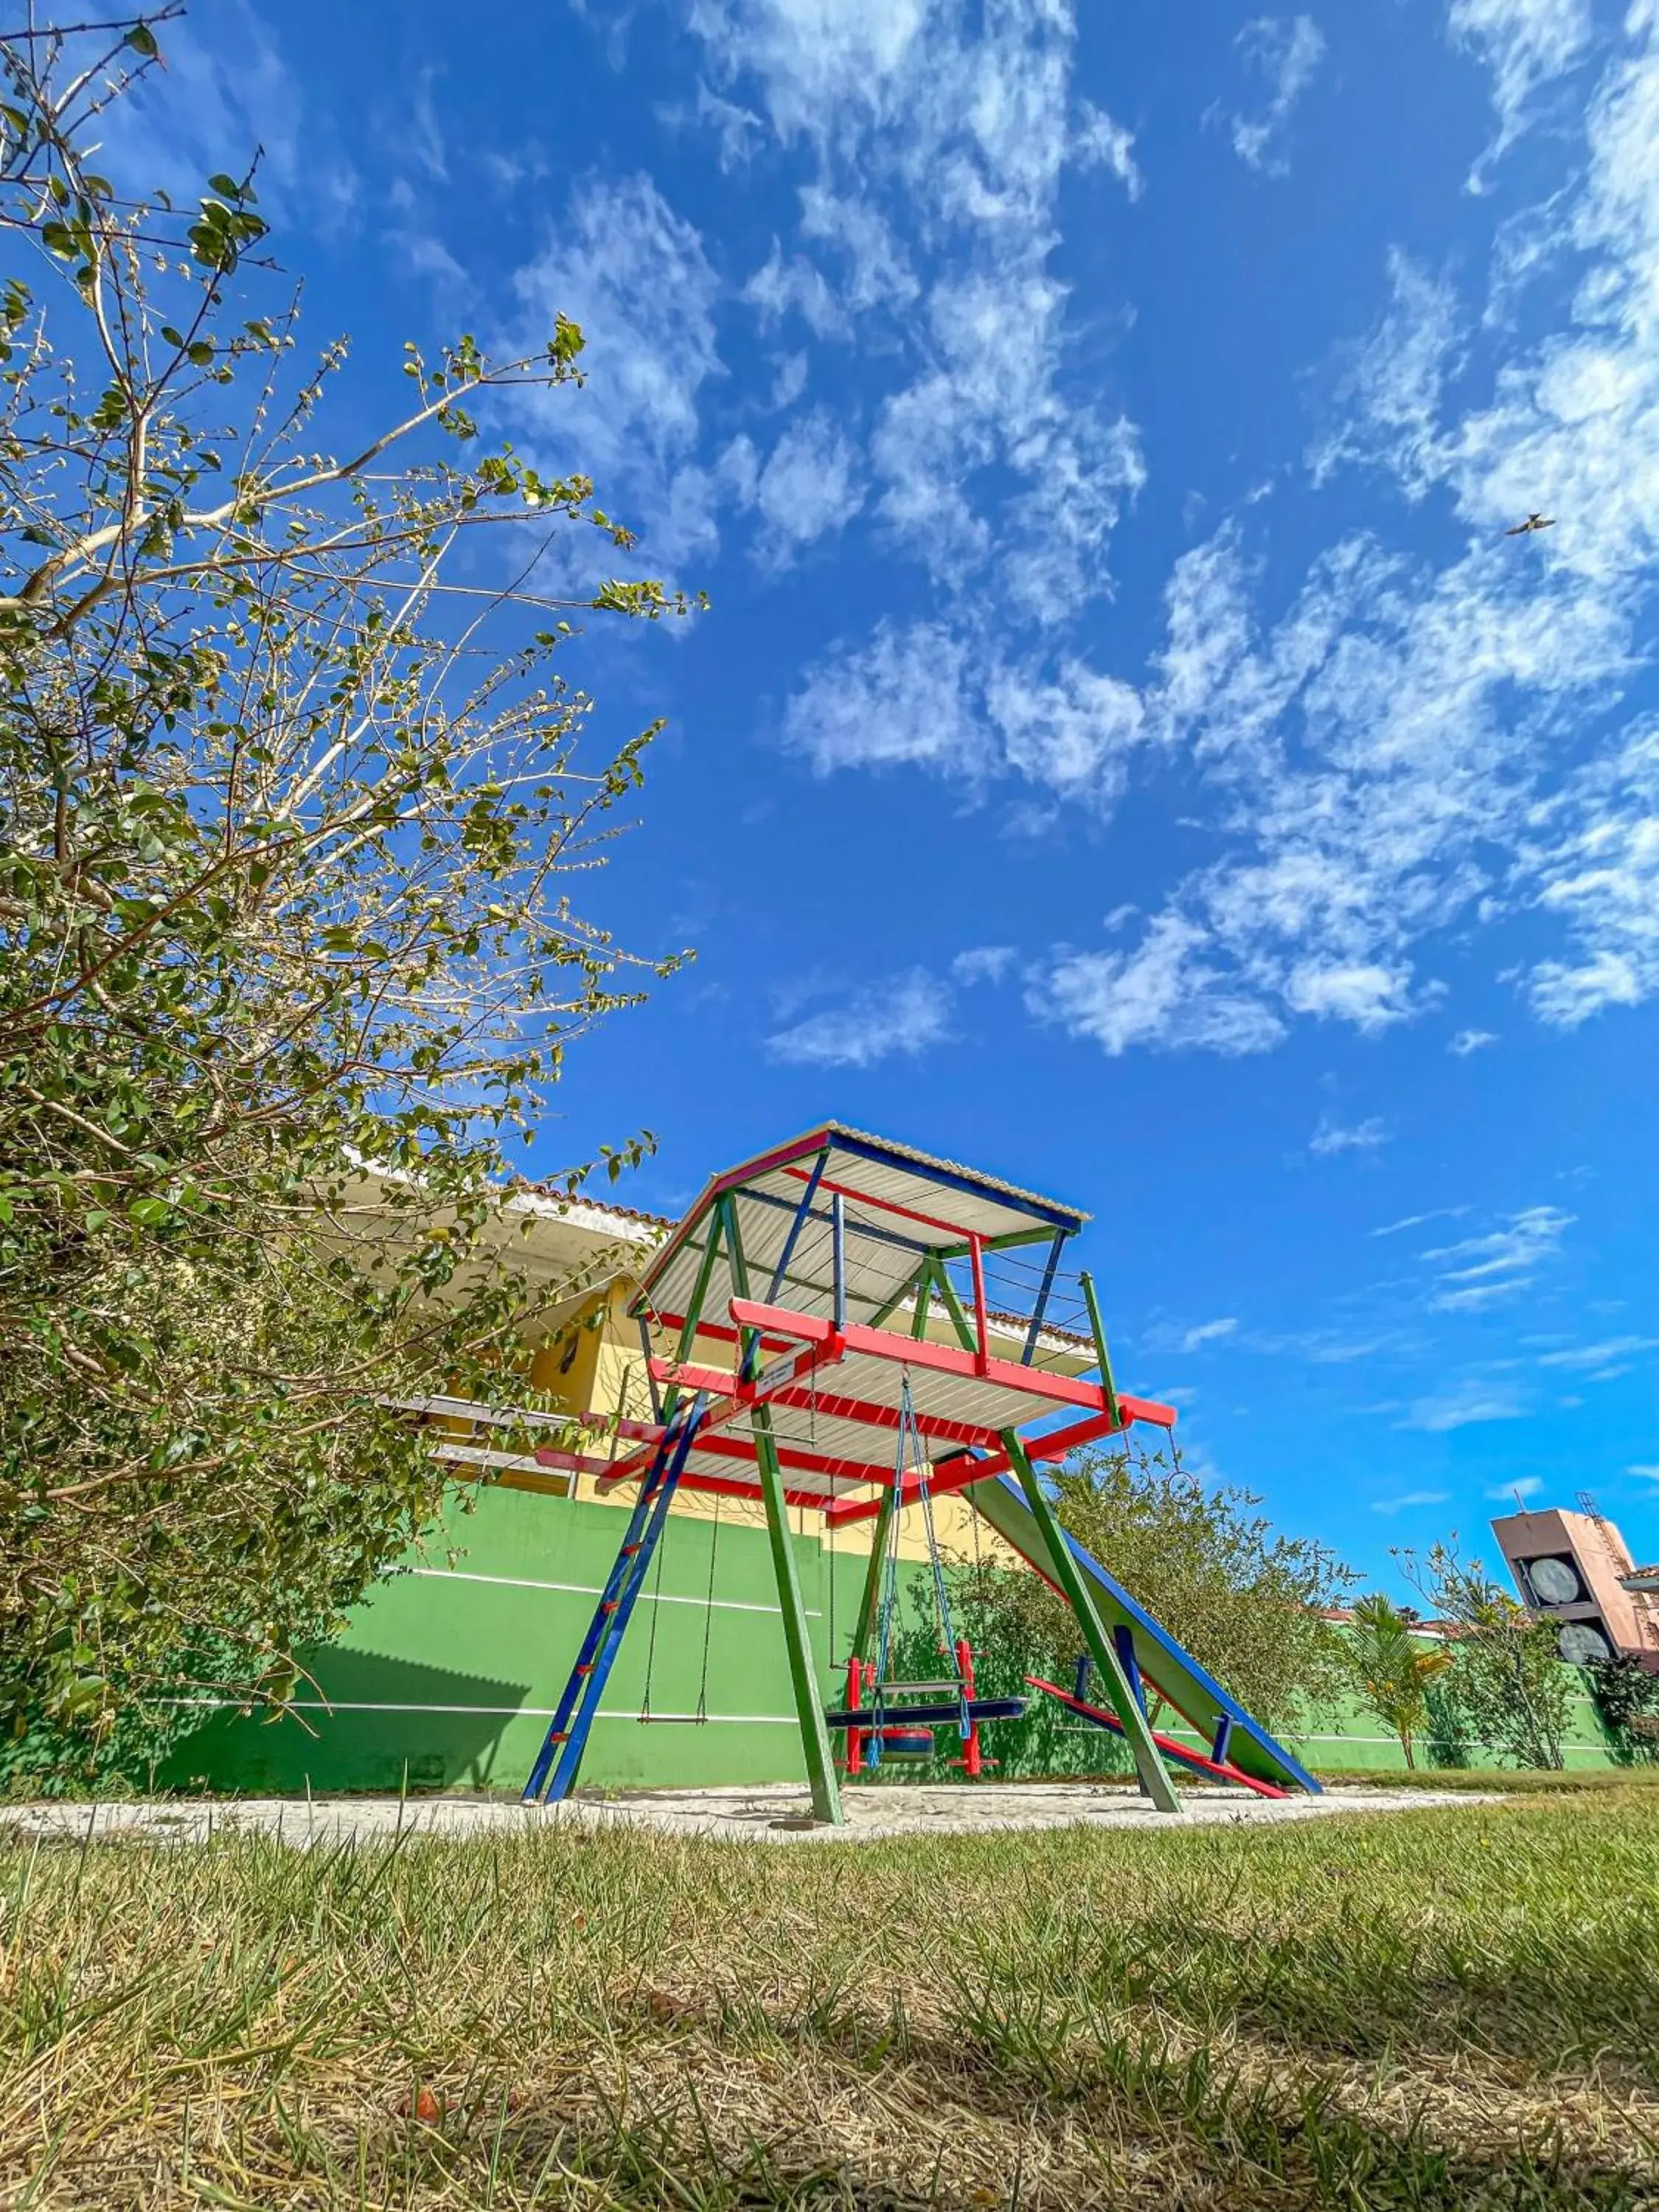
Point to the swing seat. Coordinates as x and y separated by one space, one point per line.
899 1743
979 1709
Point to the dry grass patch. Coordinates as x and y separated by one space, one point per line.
1432 2009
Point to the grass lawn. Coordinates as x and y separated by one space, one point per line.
1448 2008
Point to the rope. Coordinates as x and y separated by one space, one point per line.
656 1612
707 1612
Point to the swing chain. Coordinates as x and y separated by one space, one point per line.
708 1611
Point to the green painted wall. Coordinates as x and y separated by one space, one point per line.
448 1674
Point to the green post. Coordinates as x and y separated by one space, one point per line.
1098 1329
809 1704
869 1603
694 1308
1154 1777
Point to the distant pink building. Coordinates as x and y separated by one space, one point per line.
1576 1568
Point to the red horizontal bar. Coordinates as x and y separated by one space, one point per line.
1169 1745
797 1395
943 1482
722 1334
942 1359
803 1462
736 1398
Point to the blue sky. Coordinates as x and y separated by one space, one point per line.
1123 750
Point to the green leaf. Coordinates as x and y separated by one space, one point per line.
142 39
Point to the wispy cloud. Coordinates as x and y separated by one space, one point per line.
1602 1362
1647 1469
1098 139
1161 992
903 1016
983 964
635 276
901 699
1287 53
1361 1137
1417 1220
1409 1499
1480 1271
1525 1487
1208 1332
808 487
1463 1407
1468 1041
1525 44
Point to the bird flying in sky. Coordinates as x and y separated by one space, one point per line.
1532 522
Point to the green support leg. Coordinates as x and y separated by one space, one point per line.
869 1603
802 1675
1151 1768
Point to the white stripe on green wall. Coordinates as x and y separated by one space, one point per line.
590 1589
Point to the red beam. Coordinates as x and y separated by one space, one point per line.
857 1338
796 1395
942 1482
802 1462
737 1397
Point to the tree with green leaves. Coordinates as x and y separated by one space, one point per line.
1392 1668
1245 1601
292 796
1507 1683
1627 1698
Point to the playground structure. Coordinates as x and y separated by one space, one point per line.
826 1271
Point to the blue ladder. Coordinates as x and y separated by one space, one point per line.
567 1736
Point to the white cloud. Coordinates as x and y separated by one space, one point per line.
905 1014
635 276
1524 43
879 274
996 454
739 129
1363 1137
1417 1220
1362 992
1603 879
420 132
1647 1469
1098 139
807 487
1287 53
1208 1332
1409 1498
1468 1041
1074 732
1615 1351
1162 992
1463 1407
903 699
1389 388
1528 1486
983 964
1480 1271
779 288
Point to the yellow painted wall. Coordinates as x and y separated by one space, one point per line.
593 1365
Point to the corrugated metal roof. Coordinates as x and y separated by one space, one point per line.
899 1204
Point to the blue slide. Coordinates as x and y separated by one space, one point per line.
1174 1673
